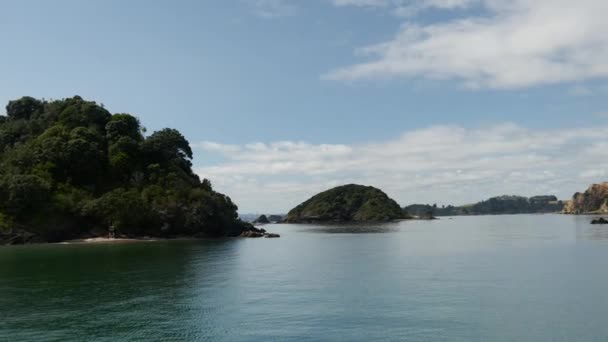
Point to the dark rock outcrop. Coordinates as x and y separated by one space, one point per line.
272 235
18 237
601 220
251 234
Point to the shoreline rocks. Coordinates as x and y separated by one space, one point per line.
18 237
258 233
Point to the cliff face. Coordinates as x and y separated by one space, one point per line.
345 204
592 201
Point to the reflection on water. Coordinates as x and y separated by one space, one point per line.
67 292
351 228
594 233
587 231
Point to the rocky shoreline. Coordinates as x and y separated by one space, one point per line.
258 233
23 237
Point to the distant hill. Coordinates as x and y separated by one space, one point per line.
347 203
493 206
254 218
593 201
248 217
262 219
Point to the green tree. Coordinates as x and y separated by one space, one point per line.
23 108
69 166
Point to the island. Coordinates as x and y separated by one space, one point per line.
262 219
593 201
499 205
69 169
347 203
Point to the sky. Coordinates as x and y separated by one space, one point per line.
433 101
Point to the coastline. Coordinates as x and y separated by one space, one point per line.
104 240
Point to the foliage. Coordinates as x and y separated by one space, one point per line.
68 167
492 206
347 203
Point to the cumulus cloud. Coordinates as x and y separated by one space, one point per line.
443 164
407 8
500 44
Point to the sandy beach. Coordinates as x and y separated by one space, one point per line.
107 240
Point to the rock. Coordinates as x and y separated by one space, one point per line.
17 237
593 201
257 230
601 220
252 234
272 235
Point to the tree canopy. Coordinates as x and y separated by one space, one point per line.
347 203
69 167
492 206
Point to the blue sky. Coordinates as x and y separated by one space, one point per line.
283 98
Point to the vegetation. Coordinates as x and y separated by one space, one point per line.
69 167
493 206
347 203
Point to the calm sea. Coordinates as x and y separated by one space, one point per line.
492 278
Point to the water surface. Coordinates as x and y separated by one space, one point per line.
492 278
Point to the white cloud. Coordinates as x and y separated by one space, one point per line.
444 164
407 8
445 4
513 44
593 173
580 90
273 8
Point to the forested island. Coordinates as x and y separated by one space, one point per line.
492 206
347 203
71 169
358 203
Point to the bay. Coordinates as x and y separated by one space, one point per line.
486 278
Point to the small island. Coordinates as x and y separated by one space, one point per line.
262 219
347 203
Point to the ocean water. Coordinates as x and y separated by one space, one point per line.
491 278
